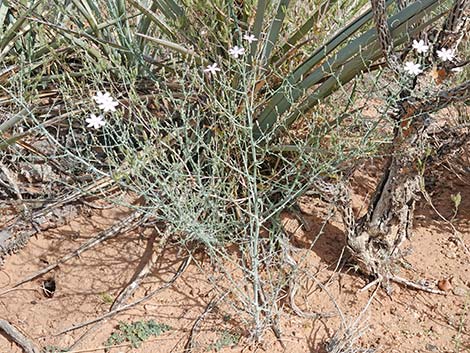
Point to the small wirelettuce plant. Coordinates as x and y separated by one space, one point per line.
226 339
136 332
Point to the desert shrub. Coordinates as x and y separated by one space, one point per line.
227 113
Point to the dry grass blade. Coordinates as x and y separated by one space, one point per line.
416 286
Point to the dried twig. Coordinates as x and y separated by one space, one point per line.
92 187
345 338
455 232
104 348
17 337
414 285
188 347
126 224
178 273
131 287
294 284
138 277
11 180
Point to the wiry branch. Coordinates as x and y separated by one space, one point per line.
455 26
383 32
460 93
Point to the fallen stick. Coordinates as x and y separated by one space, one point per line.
17 337
188 347
102 348
414 285
178 273
125 224
146 269
152 259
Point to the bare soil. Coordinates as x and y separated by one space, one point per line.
405 321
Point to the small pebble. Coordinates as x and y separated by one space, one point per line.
444 285
431 348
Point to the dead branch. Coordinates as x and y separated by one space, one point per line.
122 345
133 284
188 347
344 339
184 265
93 187
147 268
414 285
17 337
126 224
454 27
461 93
375 241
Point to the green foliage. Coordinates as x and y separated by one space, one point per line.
136 332
226 339
54 349
106 298
216 158
456 199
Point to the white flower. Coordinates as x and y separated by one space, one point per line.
250 38
457 69
212 68
102 97
445 54
236 51
95 121
412 68
420 46
105 101
109 106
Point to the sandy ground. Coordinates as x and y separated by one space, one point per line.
405 321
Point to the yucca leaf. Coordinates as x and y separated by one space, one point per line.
284 99
86 11
358 64
177 10
151 16
304 29
3 15
19 26
258 24
84 45
117 9
318 55
94 10
274 30
84 34
15 119
57 41
173 46
343 36
164 8
21 32
145 21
